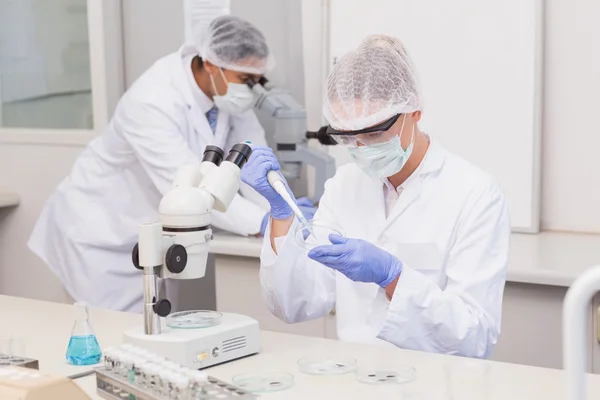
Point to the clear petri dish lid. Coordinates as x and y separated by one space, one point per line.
326 365
262 382
193 319
398 374
316 233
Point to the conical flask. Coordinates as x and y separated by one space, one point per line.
83 346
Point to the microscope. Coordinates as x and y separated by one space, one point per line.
284 120
177 247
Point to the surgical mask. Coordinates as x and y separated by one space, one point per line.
383 160
238 98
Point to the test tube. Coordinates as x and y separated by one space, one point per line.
4 350
17 349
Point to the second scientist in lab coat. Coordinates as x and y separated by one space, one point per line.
422 263
194 97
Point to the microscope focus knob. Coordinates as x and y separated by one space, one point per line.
135 257
176 258
162 307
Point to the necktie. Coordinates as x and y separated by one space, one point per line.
212 115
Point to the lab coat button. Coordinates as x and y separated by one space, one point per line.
383 240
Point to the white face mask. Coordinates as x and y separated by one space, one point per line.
236 100
383 160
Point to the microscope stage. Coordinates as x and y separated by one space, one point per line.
235 337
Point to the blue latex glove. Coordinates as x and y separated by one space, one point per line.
305 205
359 260
254 173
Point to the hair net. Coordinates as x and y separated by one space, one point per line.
232 43
371 84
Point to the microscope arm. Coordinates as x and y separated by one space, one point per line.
177 247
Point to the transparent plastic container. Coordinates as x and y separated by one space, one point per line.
194 319
316 233
262 382
326 365
83 348
386 375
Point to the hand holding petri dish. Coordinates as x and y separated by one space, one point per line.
315 233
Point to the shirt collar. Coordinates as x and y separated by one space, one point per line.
432 162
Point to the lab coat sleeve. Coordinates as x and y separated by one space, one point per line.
247 211
296 288
464 318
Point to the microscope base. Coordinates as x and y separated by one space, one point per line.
235 337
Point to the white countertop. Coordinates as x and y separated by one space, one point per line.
46 328
48 325
547 258
8 199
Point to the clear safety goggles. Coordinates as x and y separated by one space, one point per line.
379 133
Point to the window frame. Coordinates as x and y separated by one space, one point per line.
107 80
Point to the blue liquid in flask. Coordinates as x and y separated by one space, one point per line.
83 346
83 350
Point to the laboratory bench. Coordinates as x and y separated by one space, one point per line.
8 199
47 328
541 268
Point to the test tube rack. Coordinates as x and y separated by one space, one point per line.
112 386
19 362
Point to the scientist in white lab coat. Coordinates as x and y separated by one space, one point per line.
423 261
195 97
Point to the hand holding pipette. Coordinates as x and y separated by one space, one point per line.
262 173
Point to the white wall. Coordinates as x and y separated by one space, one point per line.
32 171
571 175
571 131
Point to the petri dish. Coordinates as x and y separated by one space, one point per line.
194 319
400 374
262 382
326 366
316 233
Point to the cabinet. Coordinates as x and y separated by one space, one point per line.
531 321
238 290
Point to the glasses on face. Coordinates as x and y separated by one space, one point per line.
379 133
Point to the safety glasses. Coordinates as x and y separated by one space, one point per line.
379 133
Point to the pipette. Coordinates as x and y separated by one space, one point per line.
277 182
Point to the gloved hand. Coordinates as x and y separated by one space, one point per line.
359 260
254 173
305 205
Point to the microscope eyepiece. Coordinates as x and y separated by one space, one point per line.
214 155
239 154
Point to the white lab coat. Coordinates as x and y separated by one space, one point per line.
88 227
450 228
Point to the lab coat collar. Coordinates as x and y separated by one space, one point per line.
193 95
411 189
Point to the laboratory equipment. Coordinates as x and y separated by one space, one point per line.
279 185
12 353
467 379
130 372
264 381
326 365
17 383
575 328
194 319
316 233
284 120
386 375
177 247
83 348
